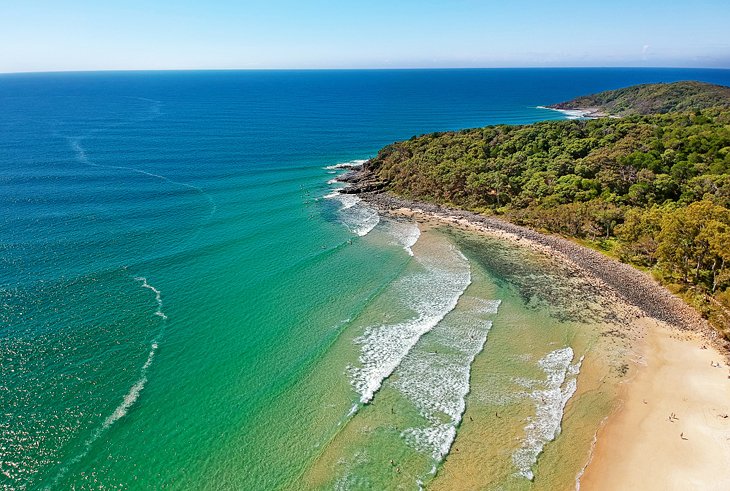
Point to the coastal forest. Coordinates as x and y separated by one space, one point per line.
650 184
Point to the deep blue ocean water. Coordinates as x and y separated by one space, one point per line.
171 274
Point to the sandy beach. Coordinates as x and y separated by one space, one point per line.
582 113
671 430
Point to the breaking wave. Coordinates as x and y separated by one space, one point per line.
354 214
405 233
550 398
347 165
436 377
431 293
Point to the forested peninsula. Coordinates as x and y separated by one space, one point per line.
649 185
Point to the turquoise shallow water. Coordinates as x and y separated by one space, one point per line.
182 305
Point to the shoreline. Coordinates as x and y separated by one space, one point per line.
631 285
683 371
671 430
580 112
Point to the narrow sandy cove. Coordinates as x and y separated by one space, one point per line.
670 432
673 430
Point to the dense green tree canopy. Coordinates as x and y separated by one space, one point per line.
636 161
656 187
654 98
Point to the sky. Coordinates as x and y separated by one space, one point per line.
58 35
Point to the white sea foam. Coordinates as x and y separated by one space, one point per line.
437 385
437 382
361 220
435 440
405 233
410 240
347 200
431 294
348 480
573 113
133 393
155 108
570 113
130 397
346 165
550 399
357 216
80 152
158 295
488 306
332 195
594 441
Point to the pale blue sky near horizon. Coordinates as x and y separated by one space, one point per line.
43 35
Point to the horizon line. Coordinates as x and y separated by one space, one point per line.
331 69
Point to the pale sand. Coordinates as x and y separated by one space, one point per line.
641 448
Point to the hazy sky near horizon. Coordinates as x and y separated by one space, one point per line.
50 35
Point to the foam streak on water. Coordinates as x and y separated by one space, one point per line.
82 157
410 239
158 295
550 399
129 399
431 292
355 214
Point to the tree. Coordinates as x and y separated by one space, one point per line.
693 240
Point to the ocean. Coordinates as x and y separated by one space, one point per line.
187 303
